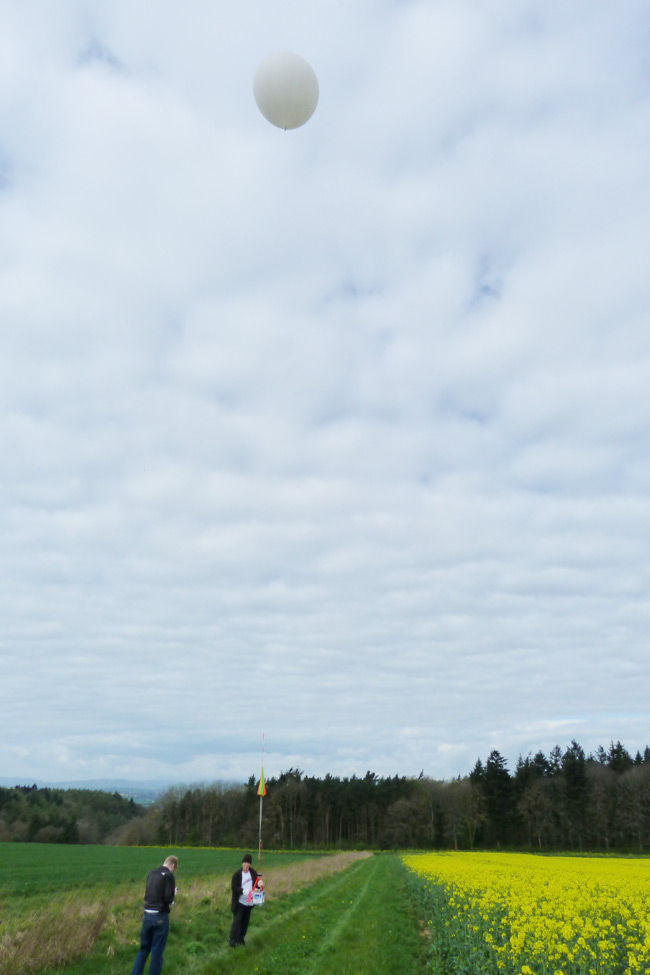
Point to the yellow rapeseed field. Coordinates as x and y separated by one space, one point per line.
520 914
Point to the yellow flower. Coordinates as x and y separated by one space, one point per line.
566 915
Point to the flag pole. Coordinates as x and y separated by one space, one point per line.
261 791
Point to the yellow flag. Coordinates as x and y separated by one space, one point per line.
261 791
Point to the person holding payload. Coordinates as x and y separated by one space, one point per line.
244 883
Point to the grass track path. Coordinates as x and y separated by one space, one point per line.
358 921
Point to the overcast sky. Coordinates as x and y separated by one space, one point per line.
341 435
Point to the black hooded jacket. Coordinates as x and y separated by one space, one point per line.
159 890
236 887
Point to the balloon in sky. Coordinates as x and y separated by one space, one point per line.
286 90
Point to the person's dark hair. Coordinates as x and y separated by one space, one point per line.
247 858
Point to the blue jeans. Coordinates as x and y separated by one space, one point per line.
153 938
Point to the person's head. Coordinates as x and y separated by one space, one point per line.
246 862
171 863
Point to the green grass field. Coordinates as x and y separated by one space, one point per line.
78 909
32 869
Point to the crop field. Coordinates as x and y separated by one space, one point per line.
521 914
77 910
32 869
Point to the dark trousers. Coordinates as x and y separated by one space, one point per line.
153 938
241 917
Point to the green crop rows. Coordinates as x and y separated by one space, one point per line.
36 868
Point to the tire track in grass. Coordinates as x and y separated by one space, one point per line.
368 926
336 932
311 898
296 940
316 892
386 939
307 937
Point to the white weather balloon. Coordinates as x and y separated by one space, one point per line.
286 90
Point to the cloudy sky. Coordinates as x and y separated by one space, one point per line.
339 436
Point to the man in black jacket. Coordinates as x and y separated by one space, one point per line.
241 885
159 895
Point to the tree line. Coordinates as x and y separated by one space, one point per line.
48 815
564 801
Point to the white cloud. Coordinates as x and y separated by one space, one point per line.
349 423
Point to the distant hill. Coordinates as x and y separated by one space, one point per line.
144 793
50 814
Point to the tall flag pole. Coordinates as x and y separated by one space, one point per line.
261 791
